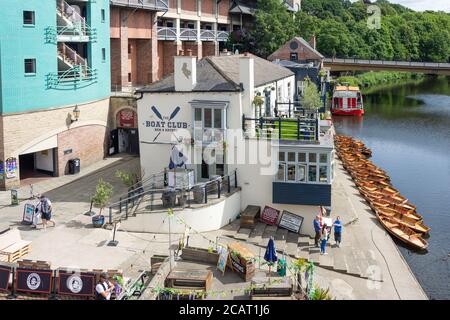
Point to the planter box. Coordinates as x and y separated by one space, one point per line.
199 254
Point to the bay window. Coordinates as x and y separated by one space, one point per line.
209 124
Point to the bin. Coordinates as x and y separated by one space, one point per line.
74 166
281 267
14 197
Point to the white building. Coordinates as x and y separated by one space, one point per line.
203 118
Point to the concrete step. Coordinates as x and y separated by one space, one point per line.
280 239
304 240
351 262
270 231
326 261
256 234
314 256
339 260
231 229
362 262
292 244
243 234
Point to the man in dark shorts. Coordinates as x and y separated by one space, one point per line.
45 206
338 231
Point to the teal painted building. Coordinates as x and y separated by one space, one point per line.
54 59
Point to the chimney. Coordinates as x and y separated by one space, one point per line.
185 73
312 41
247 80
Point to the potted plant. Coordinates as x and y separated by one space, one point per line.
103 193
258 102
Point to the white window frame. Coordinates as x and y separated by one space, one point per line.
213 129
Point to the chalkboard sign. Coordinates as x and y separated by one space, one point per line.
223 258
76 284
5 273
33 280
270 215
290 221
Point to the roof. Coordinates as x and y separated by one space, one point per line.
221 74
282 50
307 45
244 7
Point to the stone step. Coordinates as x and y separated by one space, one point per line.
280 239
231 229
339 260
270 231
304 240
351 262
326 261
243 234
314 257
362 262
256 234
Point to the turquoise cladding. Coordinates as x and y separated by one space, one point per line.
23 93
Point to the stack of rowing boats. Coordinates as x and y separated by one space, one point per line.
394 212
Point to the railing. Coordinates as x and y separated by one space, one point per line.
70 56
71 14
291 109
207 35
282 129
164 198
71 33
389 63
71 77
222 35
188 34
159 5
166 33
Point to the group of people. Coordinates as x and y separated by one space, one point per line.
323 232
105 287
43 211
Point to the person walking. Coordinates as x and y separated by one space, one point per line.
323 238
45 208
338 231
104 288
317 228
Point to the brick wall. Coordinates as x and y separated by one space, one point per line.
189 5
195 47
87 143
144 61
210 48
224 7
170 49
208 7
284 53
115 62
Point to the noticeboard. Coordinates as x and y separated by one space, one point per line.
270 215
223 258
33 280
5 273
76 284
290 221
28 213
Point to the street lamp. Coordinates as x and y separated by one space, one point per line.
76 114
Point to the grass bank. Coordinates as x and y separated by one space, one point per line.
370 79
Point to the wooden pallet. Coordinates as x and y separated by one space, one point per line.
34 264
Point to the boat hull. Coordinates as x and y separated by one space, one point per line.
355 112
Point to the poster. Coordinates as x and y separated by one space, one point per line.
2 170
127 119
223 258
5 273
76 284
270 215
11 168
28 213
33 280
290 221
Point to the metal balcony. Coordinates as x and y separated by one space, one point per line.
78 77
156 5
186 34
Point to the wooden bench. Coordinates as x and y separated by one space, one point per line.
189 280
12 247
249 216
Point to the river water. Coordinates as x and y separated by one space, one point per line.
407 126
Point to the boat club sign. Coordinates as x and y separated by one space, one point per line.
79 284
33 280
161 125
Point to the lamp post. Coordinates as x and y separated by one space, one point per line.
75 114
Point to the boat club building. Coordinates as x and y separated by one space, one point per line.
204 118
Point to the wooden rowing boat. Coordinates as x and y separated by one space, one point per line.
403 233
412 214
392 199
415 225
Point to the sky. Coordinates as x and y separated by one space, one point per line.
421 5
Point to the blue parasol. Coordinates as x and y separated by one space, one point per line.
271 254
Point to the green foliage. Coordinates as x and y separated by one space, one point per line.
374 78
103 193
342 31
311 97
129 179
321 294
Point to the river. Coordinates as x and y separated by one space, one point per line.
407 126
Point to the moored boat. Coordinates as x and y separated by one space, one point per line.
403 233
415 225
388 209
347 101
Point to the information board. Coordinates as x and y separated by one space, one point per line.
5 273
223 258
290 221
28 213
33 280
270 215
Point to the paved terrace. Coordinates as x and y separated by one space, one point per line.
367 266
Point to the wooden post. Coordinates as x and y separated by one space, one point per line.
218 189
235 179
298 128
229 183
206 194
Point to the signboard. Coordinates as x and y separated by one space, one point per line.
11 168
28 213
76 284
126 119
2 170
238 264
5 273
14 197
33 280
290 221
270 215
223 258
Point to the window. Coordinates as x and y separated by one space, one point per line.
169 24
191 26
30 66
103 54
209 124
312 173
291 172
294 56
129 48
208 118
323 158
281 173
301 157
301 173
217 118
103 14
281 156
313 157
323 177
129 76
28 18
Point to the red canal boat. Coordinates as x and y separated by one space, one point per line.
347 101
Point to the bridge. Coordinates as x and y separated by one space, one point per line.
381 65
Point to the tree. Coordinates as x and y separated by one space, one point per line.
311 97
103 192
129 179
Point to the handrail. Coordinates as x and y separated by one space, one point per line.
388 62
73 16
152 4
68 52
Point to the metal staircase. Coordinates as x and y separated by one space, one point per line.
70 58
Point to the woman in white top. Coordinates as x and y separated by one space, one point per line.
323 239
